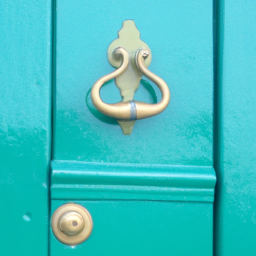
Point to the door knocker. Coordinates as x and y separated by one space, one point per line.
131 57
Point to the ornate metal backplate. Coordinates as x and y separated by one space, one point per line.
128 82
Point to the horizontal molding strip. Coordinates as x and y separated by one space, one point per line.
73 180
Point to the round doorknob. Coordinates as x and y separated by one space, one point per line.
71 224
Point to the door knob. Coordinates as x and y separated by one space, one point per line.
71 224
131 57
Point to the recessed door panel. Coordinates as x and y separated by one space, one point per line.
180 36
142 228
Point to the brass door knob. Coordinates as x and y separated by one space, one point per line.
131 57
71 224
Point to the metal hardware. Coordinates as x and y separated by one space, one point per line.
131 57
71 224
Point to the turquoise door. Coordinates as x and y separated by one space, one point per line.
148 193
152 192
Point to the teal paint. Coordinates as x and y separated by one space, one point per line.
235 163
77 180
25 126
143 228
181 40
150 193
181 136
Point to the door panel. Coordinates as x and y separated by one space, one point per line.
137 210
151 192
143 228
180 35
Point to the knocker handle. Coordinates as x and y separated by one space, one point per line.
121 110
143 109
133 110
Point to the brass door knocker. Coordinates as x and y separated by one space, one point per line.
131 57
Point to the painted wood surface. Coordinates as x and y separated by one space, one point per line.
143 228
180 36
25 126
162 172
235 207
78 180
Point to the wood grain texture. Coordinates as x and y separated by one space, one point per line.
25 126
